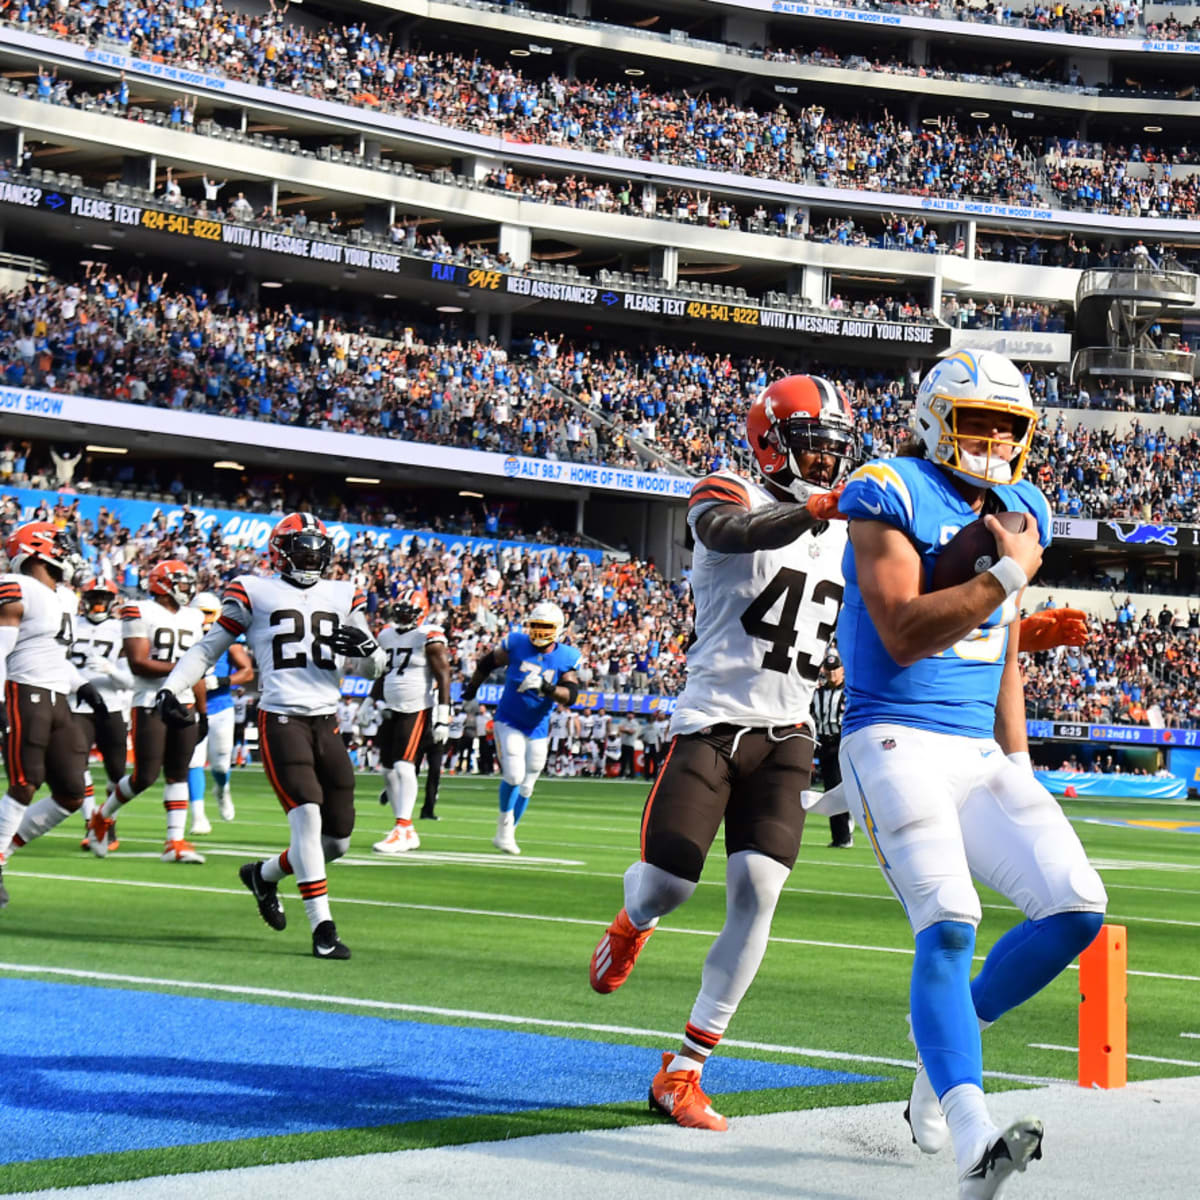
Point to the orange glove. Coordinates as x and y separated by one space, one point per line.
824 505
1054 627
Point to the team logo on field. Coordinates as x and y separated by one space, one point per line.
888 743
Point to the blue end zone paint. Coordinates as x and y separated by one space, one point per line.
94 1068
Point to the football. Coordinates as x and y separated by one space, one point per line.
971 550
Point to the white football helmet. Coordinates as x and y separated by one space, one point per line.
974 379
545 623
209 605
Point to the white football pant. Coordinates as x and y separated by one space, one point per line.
940 809
521 758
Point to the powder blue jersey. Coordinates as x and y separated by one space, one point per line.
221 698
954 691
529 711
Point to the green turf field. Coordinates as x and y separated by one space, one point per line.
459 934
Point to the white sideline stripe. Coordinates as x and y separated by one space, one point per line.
1190 1035
470 1015
514 916
1173 1062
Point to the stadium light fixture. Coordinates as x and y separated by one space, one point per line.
387 295
98 246
980 115
931 121
1152 128
227 464
271 283
519 52
107 449
449 308
472 495
361 479
634 71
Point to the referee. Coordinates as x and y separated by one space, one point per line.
828 705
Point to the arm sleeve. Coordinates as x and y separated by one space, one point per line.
713 490
193 666
1040 507
878 492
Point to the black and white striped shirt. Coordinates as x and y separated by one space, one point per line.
828 705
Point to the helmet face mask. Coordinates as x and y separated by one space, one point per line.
44 542
409 610
544 624
801 430
98 596
174 580
968 383
301 549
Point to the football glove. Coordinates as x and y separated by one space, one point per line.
824 505
547 688
352 642
89 694
171 709
468 692
1053 627
441 724
202 724
3 718
533 682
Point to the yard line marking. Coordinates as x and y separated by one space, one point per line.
1190 1035
472 1015
594 923
1174 1062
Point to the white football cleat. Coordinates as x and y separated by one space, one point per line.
1008 1152
181 852
201 826
396 842
506 843
924 1111
411 840
225 804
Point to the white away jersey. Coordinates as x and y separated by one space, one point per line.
102 641
408 685
170 634
39 657
763 620
558 724
290 632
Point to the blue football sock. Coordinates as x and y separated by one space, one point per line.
943 1016
508 796
195 783
519 808
1028 957
220 779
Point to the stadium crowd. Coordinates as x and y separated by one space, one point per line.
1133 670
139 340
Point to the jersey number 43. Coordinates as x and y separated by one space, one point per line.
789 584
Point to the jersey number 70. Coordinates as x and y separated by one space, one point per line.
790 584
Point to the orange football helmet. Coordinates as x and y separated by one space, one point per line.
99 595
173 579
801 414
409 609
301 549
44 542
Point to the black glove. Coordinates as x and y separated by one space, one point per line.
171 710
352 642
90 694
3 718
202 723
468 693
547 687
222 681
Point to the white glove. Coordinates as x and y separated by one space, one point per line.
97 664
531 683
441 724
210 681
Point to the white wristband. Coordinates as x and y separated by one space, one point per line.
1022 759
441 714
1010 575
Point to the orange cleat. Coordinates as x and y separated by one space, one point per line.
678 1095
613 958
100 830
180 852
